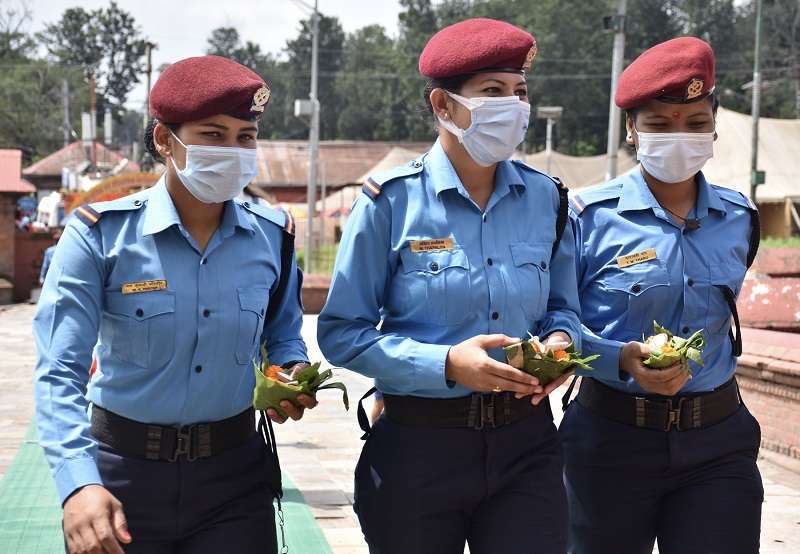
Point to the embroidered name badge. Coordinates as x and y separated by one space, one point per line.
637 257
432 245
143 286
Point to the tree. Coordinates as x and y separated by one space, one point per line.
105 43
15 43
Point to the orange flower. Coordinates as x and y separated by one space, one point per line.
272 372
561 355
667 349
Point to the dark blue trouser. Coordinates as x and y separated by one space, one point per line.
697 492
423 490
211 505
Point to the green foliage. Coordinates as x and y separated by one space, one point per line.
780 242
105 42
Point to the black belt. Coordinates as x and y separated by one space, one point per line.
158 442
477 411
661 413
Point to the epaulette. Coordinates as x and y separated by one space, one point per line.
279 217
578 202
734 197
524 165
90 214
373 186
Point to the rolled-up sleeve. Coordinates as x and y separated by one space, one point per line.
347 330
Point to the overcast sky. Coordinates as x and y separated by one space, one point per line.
181 27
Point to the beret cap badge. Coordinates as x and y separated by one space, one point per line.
694 89
260 99
530 57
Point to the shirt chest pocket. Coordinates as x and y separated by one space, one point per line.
643 290
140 328
532 273
253 303
436 285
723 275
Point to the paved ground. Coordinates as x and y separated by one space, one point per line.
320 453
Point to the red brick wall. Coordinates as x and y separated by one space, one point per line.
777 408
28 256
7 237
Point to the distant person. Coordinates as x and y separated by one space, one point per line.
663 454
48 255
174 289
458 254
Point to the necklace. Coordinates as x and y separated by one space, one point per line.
690 222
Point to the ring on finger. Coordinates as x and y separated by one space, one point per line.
497 389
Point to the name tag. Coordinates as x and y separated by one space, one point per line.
143 286
432 245
637 257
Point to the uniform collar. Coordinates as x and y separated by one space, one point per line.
444 176
636 195
160 213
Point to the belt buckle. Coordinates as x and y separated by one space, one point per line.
184 445
674 414
486 413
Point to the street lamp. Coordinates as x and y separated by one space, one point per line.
551 114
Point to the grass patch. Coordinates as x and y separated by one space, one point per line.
322 259
780 242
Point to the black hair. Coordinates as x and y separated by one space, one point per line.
450 84
633 112
149 140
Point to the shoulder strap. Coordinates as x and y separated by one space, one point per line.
755 236
561 219
287 250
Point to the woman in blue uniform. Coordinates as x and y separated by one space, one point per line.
444 261
664 454
172 290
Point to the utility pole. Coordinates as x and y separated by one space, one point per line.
65 101
617 24
93 115
148 74
756 176
313 139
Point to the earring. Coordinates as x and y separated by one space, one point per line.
445 115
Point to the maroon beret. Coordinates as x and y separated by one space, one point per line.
477 45
678 71
196 88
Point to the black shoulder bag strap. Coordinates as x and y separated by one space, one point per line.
730 297
561 219
363 420
265 429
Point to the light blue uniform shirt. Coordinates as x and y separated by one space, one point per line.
679 288
495 277
176 356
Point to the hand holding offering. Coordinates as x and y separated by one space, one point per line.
546 363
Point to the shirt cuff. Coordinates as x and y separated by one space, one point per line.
74 474
429 366
606 367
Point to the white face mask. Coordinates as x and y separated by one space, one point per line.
674 157
498 127
216 174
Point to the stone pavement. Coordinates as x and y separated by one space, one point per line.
320 453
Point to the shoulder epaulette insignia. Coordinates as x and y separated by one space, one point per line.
576 204
87 214
594 195
373 186
289 225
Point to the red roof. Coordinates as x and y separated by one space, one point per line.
73 155
10 173
341 162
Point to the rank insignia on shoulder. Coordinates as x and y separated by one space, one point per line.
371 188
289 226
87 214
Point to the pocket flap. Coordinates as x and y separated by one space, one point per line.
433 262
637 282
537 254
254 299
142 305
